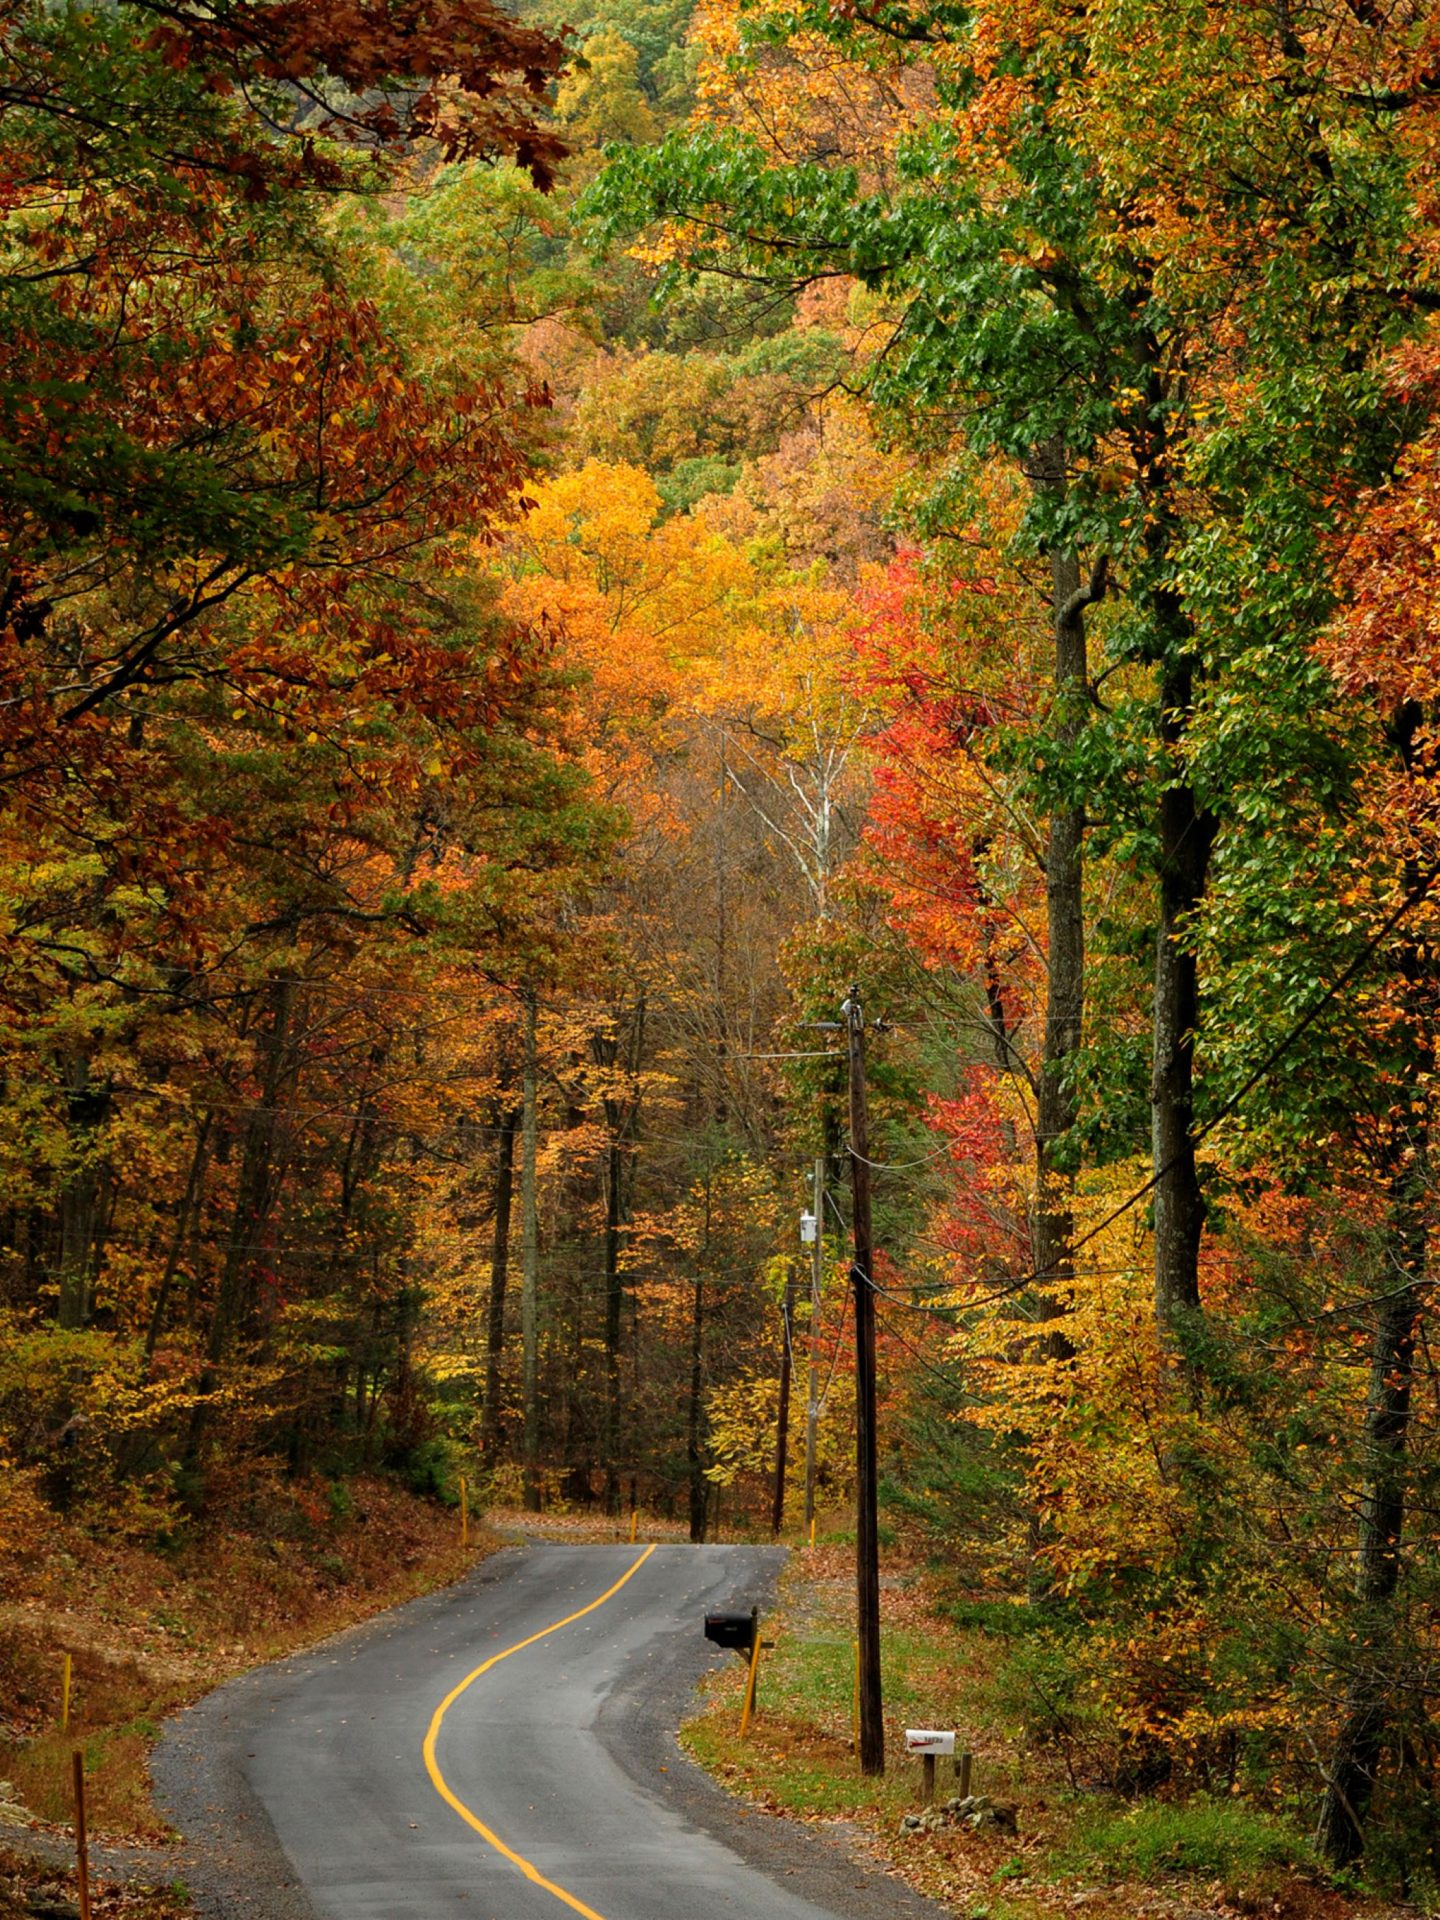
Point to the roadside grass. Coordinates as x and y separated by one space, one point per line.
1074 1848
117 1703
151 1628
1241 1846
799 1757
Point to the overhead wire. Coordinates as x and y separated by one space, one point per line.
940 1373
1412 898
914 1306
451 1128
824 1393
900 1166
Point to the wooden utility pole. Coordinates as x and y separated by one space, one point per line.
509 1119
782 1431
867 1529
530 1263
812 1404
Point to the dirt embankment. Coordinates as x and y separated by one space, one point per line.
149 1627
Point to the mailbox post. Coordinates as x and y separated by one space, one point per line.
739 1633
928 1742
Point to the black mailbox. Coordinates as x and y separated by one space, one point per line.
733 1630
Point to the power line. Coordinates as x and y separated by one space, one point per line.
824 1392
1412 899
901 1166
917 1306
950 1379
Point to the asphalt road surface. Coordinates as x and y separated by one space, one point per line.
502 1751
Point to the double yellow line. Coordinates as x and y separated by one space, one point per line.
437 1719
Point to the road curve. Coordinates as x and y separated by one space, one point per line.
548 1785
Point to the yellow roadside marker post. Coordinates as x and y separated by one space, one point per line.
812 1532
82 1845
464 1515
632 1526
65 1694
749 1706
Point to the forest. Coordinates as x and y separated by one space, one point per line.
543 554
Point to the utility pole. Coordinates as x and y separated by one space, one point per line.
867 1528
782 1433
530 1264
817 1275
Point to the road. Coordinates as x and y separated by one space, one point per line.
502 1751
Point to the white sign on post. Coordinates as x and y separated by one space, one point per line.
928 1740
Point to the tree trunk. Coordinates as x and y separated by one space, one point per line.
1364 1715
530 1268
1365 1712
1186 838
190 1202
1065 942
614 1299
621 1114
1055 1115
87 1108
1053 1228
577 1449
259 1182
1187 834
257 1189
499 1275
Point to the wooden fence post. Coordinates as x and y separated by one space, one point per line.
82 1845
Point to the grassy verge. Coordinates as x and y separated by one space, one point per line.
1073 1851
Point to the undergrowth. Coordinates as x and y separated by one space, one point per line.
1076 1845
1226 1840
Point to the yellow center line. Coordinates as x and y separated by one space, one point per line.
442 1786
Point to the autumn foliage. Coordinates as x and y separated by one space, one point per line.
522 581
